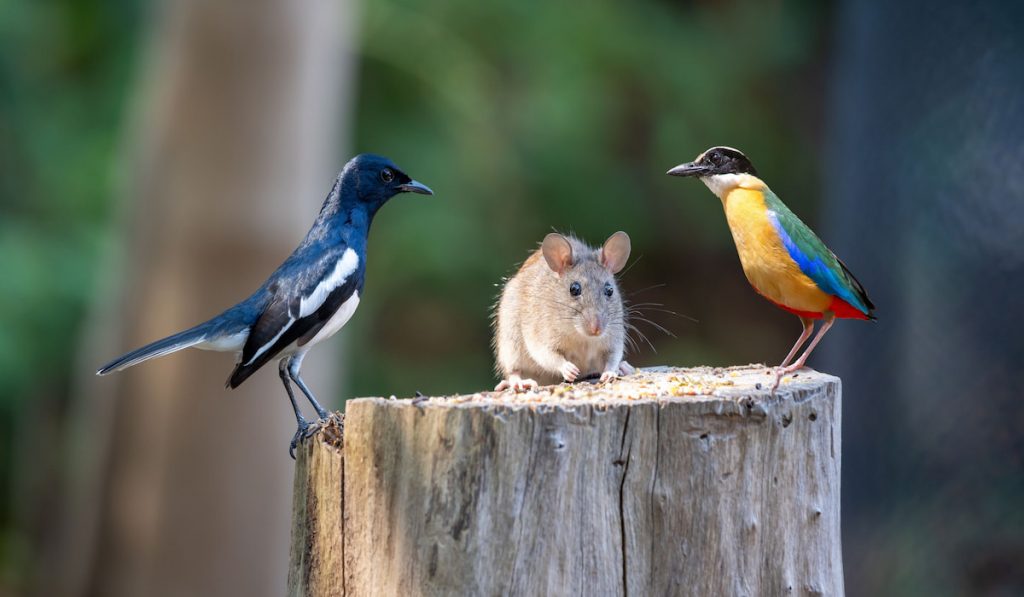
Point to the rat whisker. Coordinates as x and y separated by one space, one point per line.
635 292
643 336
630 266
657 326
656 307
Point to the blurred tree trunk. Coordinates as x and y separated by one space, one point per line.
180 487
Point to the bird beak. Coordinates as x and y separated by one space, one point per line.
690 169
415 187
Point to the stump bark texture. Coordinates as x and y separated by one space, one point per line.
668 482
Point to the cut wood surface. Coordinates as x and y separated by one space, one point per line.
668 482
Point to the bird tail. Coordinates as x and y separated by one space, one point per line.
179 341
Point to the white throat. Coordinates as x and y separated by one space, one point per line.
721 184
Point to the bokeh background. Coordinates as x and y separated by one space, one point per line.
159 158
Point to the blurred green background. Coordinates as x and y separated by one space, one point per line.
895 131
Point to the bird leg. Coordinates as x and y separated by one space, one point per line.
293 370
303 424
829 319
808 324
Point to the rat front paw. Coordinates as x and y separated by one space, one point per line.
609 375
569 372
626 369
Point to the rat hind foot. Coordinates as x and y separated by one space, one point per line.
626 369
516 384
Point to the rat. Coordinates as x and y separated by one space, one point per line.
562 316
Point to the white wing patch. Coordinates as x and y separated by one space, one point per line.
342 270
271 342
338 320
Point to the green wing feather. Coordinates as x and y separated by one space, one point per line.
815 260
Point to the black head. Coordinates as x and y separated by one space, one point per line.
374 179
717 160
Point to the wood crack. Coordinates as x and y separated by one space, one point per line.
622 504
654 480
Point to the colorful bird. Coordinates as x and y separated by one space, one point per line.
782 258
308 298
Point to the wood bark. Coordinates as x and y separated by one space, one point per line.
669 482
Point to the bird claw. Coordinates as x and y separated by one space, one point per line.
304 431
569 371
781 372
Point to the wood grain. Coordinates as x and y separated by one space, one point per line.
672 481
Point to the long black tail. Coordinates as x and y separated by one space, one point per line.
179 341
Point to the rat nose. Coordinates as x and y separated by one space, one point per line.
594 326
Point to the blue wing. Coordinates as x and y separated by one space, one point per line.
813 258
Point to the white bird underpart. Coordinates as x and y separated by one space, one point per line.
232 343
342 270
338 320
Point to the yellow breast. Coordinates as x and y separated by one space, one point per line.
765 260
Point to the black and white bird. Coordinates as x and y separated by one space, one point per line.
308 298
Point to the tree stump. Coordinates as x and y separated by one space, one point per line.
667 482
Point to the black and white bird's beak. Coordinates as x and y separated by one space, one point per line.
415 187
690 169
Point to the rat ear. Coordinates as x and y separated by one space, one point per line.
615 252
557 252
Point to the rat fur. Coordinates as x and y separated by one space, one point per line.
561 316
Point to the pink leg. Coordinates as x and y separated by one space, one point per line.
808 328
830 318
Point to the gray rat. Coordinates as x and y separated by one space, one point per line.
561 316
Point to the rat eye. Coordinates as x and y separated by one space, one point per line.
387 175
575 289
608 290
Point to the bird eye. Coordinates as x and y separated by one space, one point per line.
608 290
387 175
575 289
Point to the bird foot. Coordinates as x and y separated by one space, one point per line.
305 430
781 372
